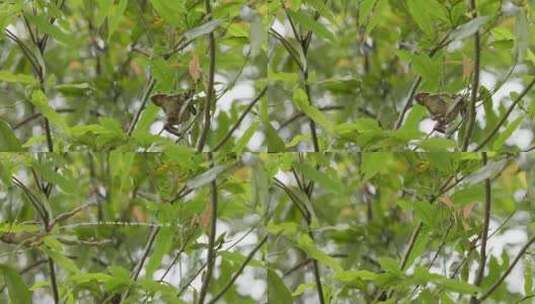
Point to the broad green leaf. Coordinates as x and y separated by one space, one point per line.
351 276
75 89
274 142
522 35
17 289
116 15
8 141
326 181
419 10
374 163
468 29
147 118
503 136
162 245
7 76
170 10
40 101
429 69
324 11
300 99
246 137
528 276
43 25
277 291
488 171
205 177
310 24
67 184
308 245
204 29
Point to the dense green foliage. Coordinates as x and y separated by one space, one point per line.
94 215
266 151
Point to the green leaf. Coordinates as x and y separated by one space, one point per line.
457 286
351 276
373 163
429 69
324 11
75 89
468 29
503 136
274 142
150 113
312 25
300 99
163 244
203 29
307 244
115 16
43 25
18 290
246 137
419 11
488 171
324 180
40 101
7 76
277 291
528 276
8 141
425 213
170 10
67 184
205 177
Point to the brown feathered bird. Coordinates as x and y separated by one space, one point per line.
177 108
444 108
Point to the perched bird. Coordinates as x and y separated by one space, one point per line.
444 108
177 108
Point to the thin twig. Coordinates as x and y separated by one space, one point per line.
211 240
484 234
240 119
475 83
497 284
302 114
137 270
506 115
414 87
209 100
240 270
144 100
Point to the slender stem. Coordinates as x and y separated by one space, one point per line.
506 115
53 280
137 270
211 241
484 233
144 100
210 88
497 284
408 103
475 83
242 116
237 274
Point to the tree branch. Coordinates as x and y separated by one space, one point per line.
240 119
211 240
504 118
484 234
237 274
144 100
497 284
475 83
210 88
